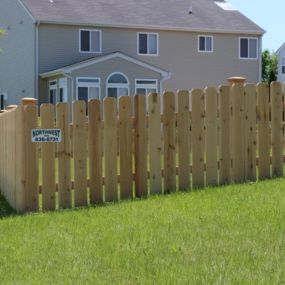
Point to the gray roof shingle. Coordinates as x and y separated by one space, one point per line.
160 14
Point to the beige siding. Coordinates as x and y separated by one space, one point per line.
17 59
59 46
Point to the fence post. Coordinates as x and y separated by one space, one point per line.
26 151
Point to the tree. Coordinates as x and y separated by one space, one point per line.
269 66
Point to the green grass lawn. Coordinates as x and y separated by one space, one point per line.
229 235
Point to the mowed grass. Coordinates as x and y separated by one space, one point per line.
227 235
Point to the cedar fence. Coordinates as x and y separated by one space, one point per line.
187 140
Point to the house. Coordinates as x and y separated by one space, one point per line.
281 63
61 50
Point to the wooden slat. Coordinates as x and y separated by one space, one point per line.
250 132
155 143
110 149
125 141
169 142
63 155
238 131
95 151
277 128
20 162
197 137
224 142
183 139
140 146
211 137
80 153
48 160
263 131
31 160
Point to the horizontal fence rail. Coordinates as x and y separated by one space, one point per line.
141 145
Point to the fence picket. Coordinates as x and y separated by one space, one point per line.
95 148
80 153
169 142
238 128
31 160
125 141
276 128
224 142
211 136
197 137
110 149
155 143
48 160
140 146
183 139
263 131
250 132
63 155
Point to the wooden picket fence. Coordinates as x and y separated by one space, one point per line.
184 141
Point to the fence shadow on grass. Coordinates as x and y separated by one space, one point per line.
5 209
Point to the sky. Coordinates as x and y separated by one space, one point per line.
269 15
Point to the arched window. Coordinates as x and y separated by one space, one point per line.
117 85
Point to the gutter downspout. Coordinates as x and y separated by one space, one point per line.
37 24
72 84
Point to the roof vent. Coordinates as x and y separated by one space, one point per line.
190 11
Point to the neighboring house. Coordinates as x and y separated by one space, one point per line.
281 63
61 50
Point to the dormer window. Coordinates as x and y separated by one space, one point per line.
90 41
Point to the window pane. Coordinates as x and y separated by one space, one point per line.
123 92
143 43
52 96
95 41
208 44
152 44
112 92
60 95
89 80
146 82
93 93
151 90
202 43
83 93
253 48
283 69
118 78
85 41
244 48
141 91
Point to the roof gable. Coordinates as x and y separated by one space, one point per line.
205 15
69 69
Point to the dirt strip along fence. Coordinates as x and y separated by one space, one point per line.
187 140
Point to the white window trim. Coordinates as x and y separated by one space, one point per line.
117 85
146 86
257 48
62 83
157 44
88 85
205 51
100 37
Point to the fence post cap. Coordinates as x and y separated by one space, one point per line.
236 79
29 102
11 107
